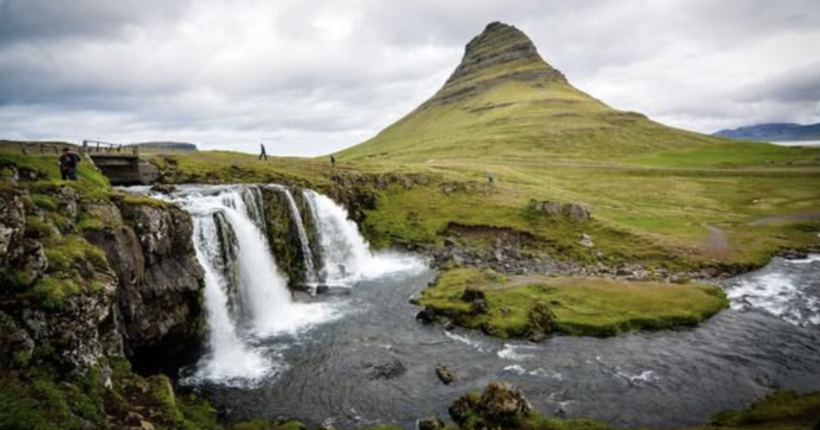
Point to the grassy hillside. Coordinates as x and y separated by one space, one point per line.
505 103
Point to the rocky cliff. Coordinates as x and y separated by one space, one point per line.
89 275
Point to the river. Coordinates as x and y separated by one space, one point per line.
356 356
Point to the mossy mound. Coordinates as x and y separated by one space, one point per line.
533 306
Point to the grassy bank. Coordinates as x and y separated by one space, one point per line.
514 306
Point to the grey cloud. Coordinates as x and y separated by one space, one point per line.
312 76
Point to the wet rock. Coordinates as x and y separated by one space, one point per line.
445 375
430 423
463 407
391 369
426 316
499 406
163 188
501 403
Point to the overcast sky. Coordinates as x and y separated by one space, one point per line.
309 77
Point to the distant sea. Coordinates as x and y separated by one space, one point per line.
798 143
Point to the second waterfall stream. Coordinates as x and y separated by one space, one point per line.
246 293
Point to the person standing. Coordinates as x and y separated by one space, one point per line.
68 164
263 154
332 161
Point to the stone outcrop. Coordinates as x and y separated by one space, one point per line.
160 281
83 279
498 406
573 211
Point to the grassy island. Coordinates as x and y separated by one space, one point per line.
511 306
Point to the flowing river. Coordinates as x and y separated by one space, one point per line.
356 356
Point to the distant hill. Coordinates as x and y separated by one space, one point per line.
774 132
167 146
505 102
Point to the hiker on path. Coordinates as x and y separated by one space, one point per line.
68 164
332 161
263 153
491 179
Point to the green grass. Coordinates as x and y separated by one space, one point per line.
582 306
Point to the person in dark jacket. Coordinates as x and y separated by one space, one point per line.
263 154
68 164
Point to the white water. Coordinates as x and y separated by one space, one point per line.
347 256
780 293
229 359
310 268
267 308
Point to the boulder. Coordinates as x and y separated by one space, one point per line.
390 369
577 212
163 188
499 406
430 423
541 319
445 375
574 211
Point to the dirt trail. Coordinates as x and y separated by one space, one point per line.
618 166
717 243
806 216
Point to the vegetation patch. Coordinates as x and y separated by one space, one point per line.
521 306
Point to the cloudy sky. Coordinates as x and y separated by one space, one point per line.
309 77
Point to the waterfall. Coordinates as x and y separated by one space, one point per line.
346 255
310 269
246 296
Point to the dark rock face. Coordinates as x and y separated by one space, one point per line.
283 234
159 307
498 44
498 406
12 228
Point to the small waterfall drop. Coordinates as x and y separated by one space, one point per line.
310 267
346 255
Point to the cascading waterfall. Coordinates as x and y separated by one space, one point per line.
246 295
310 268
346 255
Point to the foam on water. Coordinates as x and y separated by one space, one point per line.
778 293
511 352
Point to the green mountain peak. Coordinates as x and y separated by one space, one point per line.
503 102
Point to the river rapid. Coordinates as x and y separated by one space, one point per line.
356 356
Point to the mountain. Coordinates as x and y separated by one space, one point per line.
167 146
774 132
503 101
